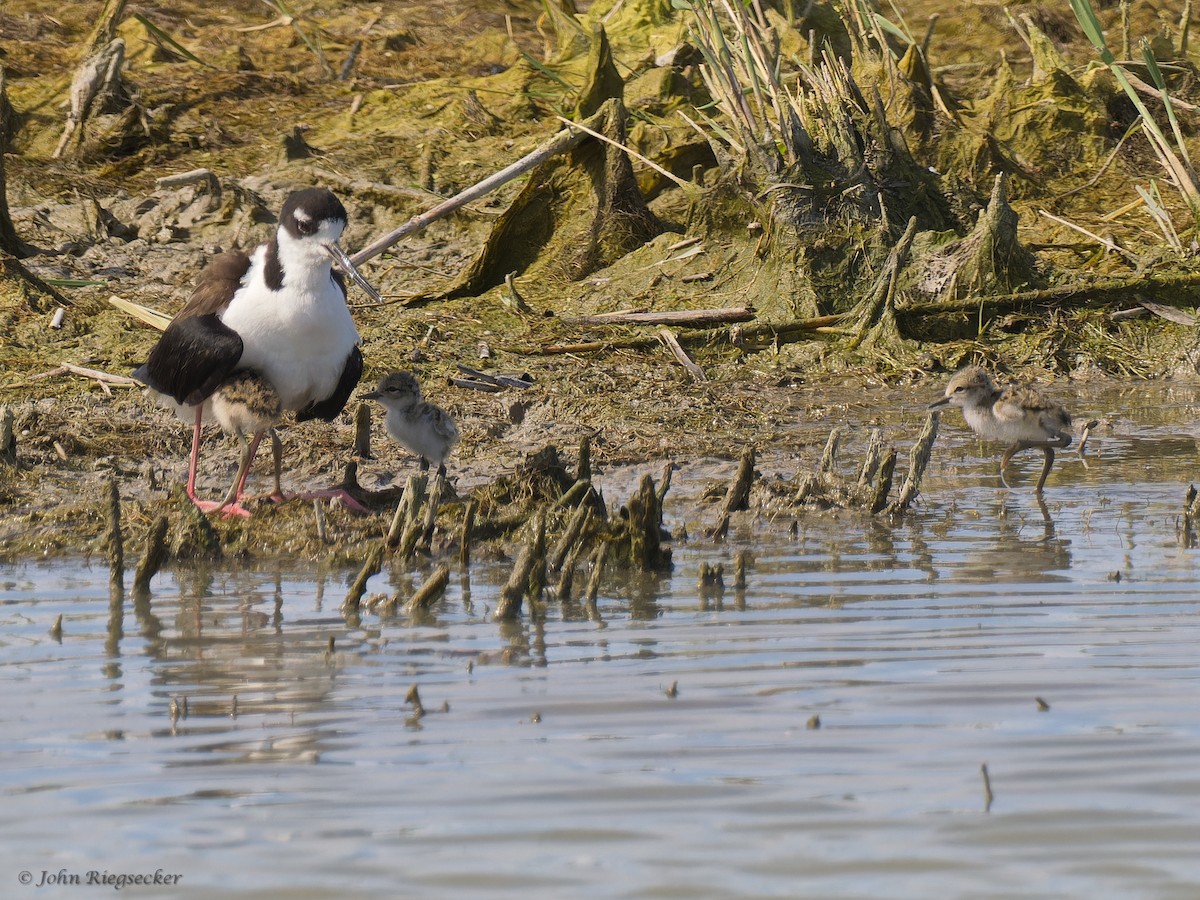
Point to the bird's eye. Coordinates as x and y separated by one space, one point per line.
305 225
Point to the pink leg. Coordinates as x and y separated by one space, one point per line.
244 472
280 497
329 494
195 458
205 506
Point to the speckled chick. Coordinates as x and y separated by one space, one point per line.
417 425
1016 415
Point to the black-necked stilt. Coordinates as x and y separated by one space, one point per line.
280 314
417 425
1017 414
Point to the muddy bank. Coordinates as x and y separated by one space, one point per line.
916 226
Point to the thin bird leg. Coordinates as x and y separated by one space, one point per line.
1049 451
424 464
277 456
205 506
195 457
441 470
1004 461
237 489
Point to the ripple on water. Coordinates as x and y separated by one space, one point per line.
552 760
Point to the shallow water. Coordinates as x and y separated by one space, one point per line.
551 760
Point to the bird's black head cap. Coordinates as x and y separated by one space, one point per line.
304 211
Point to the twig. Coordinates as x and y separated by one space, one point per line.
116 545
693 317
427 593
488 387
671 176
152 559
738 494
464 534
371 566
8 437
561 142
501 380
672 343
1103 241
186 178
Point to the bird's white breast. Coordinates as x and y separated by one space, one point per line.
299 337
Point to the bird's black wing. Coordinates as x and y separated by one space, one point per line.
328 408
192 358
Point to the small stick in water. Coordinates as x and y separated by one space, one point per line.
371 566
829 455
152 559
464 539
528 574
413 697
737 497
427 593
593 585
987 788
116 545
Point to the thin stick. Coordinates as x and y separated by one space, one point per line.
116 546
694 317
152 559
672 343
371 566
464 535
737 496
501 380
362 431
8 437
427 593
655 166
1105 242
561 142
98 375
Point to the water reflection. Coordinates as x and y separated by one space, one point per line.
234 717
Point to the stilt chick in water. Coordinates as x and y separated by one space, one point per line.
1013 414
417 425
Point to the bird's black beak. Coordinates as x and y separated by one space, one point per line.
936 403
356 276
369 395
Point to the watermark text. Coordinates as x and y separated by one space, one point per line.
96 877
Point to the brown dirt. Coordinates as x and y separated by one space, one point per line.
442 95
